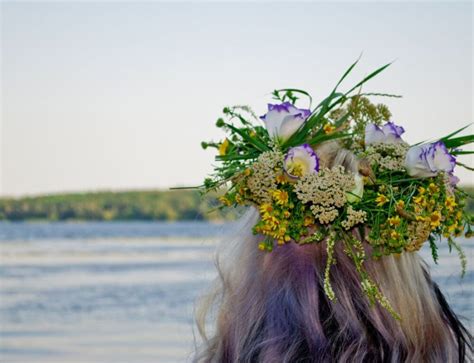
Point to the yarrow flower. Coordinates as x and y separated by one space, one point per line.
300 161
387 134
423 161
283 120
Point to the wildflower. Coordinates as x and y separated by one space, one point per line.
453 227
308 221
284 120
381 200
300 161
280 196
421 190
394 221
394 235
389 134
223 147
247 172
428 160
328 128
224 200
435 219
419 200
261 246
265 209
433 188
280 179
422 219
400 204
450 203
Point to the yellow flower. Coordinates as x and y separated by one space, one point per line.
394 221
261 246
247 172
394 234
421 190
286 214
223 147
423 219
435 219
328 128
450 203
265 209
308 221
453 227
433 188
280 179
225 201
400 204
381 199
420 200
280 196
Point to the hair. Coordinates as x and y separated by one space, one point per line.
271 307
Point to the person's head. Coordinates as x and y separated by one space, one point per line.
272 306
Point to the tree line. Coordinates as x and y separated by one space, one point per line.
108 206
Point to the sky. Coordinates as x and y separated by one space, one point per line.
118 96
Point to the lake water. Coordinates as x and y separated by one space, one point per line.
124 292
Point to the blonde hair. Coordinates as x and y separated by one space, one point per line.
271 307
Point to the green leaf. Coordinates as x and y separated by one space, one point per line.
321 138
251 140
296 90
236 157
455 133
370 76
434 249
459 141
461 152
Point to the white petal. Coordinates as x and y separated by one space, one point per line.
273 121
289 126
416 164
373 134
442 160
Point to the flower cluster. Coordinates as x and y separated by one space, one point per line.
325 192
317 175
388 157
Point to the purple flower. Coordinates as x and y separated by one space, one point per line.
387 134
453 180
283 120
424 161
301 160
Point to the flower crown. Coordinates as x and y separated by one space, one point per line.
341 173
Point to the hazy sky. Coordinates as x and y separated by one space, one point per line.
119 95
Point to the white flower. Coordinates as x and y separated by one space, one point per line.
301 160
387 134
283 120
424 161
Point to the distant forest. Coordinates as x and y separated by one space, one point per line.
108 206
131 205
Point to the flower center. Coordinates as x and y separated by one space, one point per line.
296 168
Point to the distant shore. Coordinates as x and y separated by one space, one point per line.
156 205
140 205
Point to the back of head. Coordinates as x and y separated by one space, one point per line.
272 307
